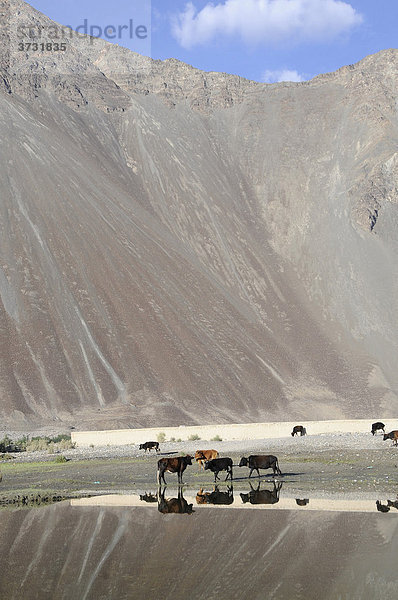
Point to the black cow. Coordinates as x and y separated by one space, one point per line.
302 502
260 461
377 426
149 446
299 429
175 506
219 464
216 497
148 497
177 464
262 496
393 504
393 435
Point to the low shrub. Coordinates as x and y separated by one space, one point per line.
37 445
61 459
161 437
51 445
5 443
194 437
216 438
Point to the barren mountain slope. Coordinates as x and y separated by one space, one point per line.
210 250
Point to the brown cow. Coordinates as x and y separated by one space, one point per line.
393 435
202 455
177 464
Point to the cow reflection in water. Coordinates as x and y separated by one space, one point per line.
148 497
302 502
216 497
384 508
177 506
262 496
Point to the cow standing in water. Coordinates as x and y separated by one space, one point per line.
220 464
260 461
177 464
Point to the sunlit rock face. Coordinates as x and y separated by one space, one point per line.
183 247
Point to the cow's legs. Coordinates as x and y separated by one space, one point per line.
161 476
250 474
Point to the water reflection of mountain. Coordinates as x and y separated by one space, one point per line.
113 552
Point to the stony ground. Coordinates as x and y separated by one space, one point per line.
324 464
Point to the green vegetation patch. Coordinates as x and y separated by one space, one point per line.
37 444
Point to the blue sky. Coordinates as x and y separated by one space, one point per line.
264 40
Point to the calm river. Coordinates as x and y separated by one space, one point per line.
211 545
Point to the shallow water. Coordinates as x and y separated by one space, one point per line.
118 547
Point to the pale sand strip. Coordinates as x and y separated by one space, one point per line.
320 504
228 432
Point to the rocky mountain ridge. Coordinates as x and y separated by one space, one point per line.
188 247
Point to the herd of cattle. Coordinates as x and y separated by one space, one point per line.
210 460
178 464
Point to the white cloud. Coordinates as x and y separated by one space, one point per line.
265 21
282 75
